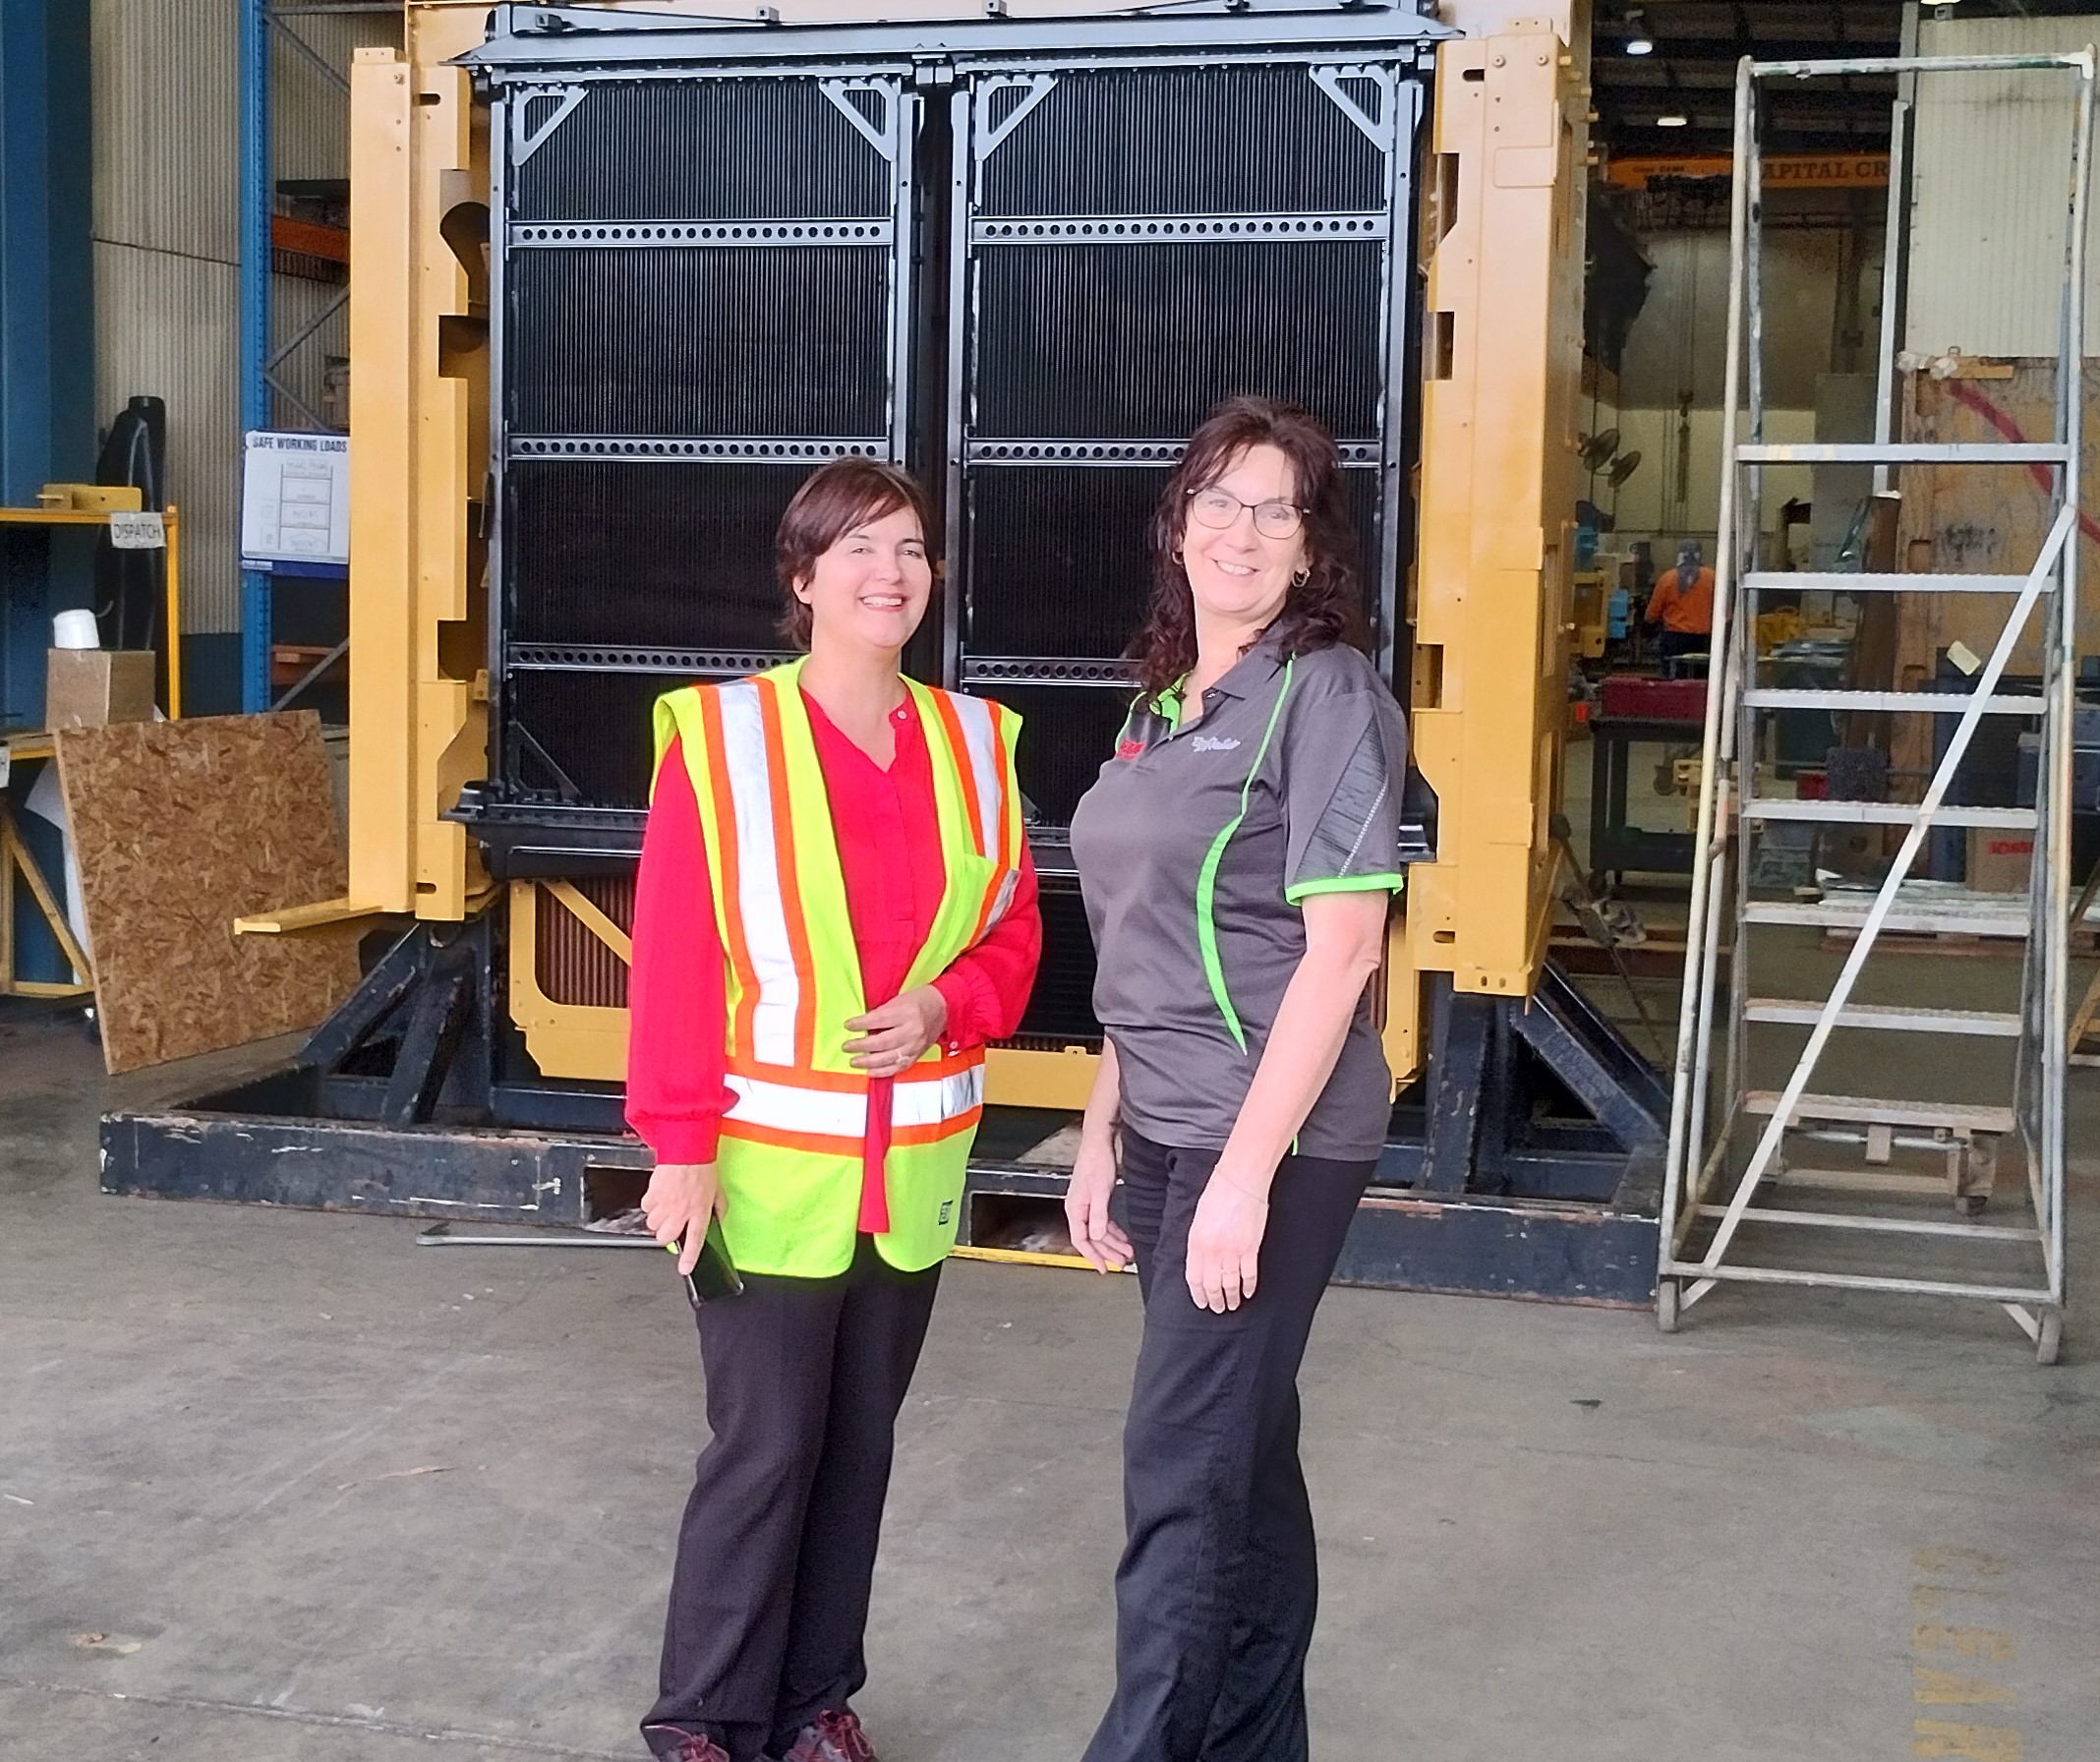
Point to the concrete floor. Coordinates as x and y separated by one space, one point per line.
284 1485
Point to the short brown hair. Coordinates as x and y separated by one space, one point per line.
835 498
1322 611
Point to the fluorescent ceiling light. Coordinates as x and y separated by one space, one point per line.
1638 42
1673 120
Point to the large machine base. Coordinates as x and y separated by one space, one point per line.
1525 1164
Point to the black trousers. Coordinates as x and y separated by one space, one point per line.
1219 1582
769 1600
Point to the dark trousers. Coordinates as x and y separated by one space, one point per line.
1219 1582
769 1600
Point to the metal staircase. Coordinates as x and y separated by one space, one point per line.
1733 1147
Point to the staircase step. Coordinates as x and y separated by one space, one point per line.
1887 813
1902 452
1930 703
1874 1110
1916 920
1805 1011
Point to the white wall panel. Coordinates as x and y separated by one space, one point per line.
167 125
1991 192
167 250
165 328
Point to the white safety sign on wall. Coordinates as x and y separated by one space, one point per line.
295 499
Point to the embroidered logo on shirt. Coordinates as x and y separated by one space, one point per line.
1129 749
1205 744
948 1208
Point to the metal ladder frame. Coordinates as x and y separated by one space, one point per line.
1696 1156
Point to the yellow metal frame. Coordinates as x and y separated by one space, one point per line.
15 859
1504 252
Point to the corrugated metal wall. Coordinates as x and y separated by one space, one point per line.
167 244
166 260
1990 193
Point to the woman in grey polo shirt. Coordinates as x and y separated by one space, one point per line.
1238 855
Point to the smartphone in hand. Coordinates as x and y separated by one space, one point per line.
714 1275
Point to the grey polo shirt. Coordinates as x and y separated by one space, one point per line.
1196 845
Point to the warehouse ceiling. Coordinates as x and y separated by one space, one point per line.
1691 70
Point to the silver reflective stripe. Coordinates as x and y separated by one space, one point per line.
980 737
932 1100
791 1107
759 907
831 1113
1008 882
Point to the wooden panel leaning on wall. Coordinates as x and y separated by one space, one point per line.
178 828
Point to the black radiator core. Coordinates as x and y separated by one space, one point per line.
1024 273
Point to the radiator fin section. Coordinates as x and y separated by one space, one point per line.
673 556
1058 561
775 341
592 729
572 966
1260 140
1141 340
701 149
1060 1010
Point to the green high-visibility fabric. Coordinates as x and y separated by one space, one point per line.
792 1211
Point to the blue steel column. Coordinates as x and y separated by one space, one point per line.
47 411
256 209
25 253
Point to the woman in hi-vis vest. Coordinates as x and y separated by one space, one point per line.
836 911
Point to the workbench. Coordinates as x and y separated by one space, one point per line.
1615 846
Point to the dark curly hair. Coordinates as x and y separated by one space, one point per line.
1325 609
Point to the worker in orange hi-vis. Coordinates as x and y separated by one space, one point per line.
1683 605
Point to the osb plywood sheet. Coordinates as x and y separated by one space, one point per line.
181 826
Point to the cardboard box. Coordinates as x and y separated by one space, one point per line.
92 687
1999 860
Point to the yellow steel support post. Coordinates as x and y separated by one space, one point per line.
417 402
1502 356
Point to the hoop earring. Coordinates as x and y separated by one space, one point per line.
1299 577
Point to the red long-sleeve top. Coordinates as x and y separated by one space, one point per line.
889 856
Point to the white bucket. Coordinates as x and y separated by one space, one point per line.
74 630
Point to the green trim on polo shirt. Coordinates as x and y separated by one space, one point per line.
1206 880
1302 890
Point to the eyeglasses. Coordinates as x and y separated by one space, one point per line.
1272 520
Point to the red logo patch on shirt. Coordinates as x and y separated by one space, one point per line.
1129 749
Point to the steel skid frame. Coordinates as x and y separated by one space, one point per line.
1729 1144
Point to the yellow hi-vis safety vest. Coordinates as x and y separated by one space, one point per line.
793 1141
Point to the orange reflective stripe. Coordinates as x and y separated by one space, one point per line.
805 965
906 1136
731 909
994 894
816 1144
945 708
845 1082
